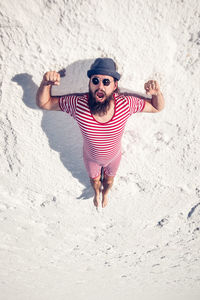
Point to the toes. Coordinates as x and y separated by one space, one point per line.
96 203
104 202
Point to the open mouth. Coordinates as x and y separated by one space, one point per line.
100 95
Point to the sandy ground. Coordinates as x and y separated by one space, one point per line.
53 243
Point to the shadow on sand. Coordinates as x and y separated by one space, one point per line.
61 129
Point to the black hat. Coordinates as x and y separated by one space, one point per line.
103 66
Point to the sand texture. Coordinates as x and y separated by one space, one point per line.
145 244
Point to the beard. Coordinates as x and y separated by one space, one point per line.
97 107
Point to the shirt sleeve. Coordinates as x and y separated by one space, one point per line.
68 104
135 104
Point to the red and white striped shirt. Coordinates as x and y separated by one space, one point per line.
101 141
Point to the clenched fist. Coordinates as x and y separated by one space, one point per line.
51 78
152 87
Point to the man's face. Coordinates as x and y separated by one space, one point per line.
102 87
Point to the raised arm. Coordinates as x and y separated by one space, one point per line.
43 98
157 103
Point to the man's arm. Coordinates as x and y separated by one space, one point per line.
43 98
157 103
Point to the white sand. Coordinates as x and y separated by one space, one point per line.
146 243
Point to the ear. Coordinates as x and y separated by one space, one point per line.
116 84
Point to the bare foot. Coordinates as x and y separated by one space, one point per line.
104 200
96 200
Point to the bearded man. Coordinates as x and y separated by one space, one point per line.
101 115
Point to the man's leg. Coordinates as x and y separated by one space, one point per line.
96 184
107 184
94 172
109 174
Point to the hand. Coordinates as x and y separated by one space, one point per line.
152 87
51 78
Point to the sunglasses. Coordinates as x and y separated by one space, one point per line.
96 80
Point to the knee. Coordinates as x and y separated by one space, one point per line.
108 180
95 180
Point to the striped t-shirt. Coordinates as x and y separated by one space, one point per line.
101 141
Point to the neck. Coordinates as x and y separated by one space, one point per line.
104 118
108 111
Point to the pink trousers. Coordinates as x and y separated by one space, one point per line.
94 169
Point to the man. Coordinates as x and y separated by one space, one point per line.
101 115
